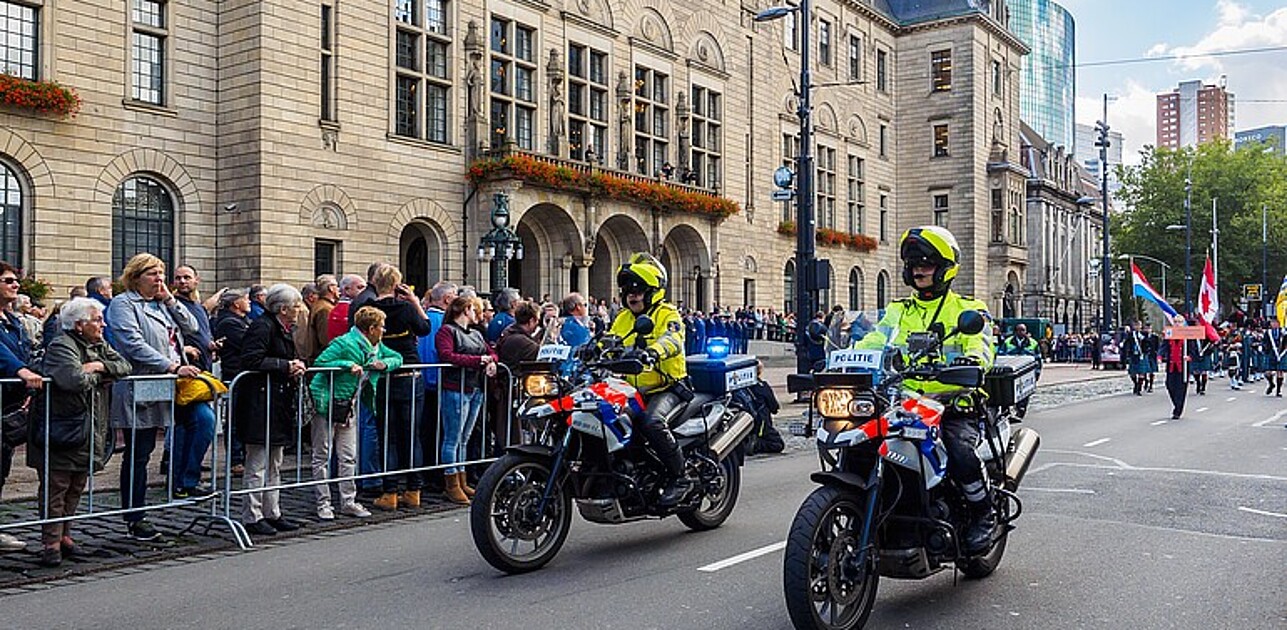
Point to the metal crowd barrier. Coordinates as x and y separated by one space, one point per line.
502 429
146 389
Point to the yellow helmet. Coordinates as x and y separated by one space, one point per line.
643 273
933 245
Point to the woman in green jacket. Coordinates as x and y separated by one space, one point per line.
80 367
361 358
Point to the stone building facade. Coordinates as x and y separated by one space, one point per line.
1066 219
269 140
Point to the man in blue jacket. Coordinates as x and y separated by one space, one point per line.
436 301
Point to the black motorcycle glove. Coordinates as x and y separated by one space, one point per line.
650 357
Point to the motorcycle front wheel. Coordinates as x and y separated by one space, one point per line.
720 487
825 586
509 528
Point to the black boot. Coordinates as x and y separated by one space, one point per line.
663 443
978 533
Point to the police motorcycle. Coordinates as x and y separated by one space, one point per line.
579 448
885 507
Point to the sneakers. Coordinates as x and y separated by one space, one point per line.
325 513
8 542
355 510
143 531
261 528
281 524
196 492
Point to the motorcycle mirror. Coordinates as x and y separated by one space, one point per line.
969 322
897 362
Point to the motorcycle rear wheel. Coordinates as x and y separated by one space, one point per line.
503 517
824 588
716 506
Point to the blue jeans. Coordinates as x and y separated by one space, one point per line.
459 413
368 449
193 431
139 444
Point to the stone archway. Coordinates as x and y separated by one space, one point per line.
688 263
552 248
618 237
422 253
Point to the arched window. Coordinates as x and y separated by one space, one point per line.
788 287
882 289
11 208
855 289
142 221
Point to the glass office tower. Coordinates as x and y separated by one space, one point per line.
1048 91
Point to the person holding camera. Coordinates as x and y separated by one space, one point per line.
400 397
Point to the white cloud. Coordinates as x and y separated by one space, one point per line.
1131 110
1251 77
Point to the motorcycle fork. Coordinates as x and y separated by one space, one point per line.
869 511
555 472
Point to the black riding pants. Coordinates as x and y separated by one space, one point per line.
960 436
662 410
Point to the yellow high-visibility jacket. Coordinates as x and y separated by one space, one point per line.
666 339
912 314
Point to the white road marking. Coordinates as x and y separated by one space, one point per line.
1231 399
1200 409
1095 443
1061 490
1271 419
1190 471
750 555
1260 512
1159 422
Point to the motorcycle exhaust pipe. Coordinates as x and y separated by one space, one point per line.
737 430
1023 445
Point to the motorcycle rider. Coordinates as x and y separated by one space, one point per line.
931 259
663 383
1021 343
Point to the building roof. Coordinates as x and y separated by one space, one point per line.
909 12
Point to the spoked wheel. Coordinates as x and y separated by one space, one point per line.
720 485
826 587
510 530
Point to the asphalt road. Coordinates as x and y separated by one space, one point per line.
1130 521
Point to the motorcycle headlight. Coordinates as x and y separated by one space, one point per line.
834 404
541 385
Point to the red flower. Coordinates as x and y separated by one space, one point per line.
46 97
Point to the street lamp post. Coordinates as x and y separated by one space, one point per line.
1103 143
1188 241
1264 260
501 244
806 294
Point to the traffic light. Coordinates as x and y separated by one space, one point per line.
1102 128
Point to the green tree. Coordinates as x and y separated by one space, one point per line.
1240 181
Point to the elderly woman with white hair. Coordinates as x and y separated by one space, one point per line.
265 403
80 367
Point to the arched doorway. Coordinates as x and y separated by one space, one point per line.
687 261
420 254
551 247
618 237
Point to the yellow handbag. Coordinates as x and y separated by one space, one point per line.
197 389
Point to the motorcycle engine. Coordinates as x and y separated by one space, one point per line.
939 540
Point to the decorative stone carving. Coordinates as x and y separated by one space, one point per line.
474 77
625 119
558 104
331 139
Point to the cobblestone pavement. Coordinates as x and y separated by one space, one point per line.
188 530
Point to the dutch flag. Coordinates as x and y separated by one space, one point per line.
1143 289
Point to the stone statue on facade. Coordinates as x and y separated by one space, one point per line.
625 118
558 104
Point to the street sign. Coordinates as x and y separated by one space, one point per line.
1252 292
1185 332
783 195
783 177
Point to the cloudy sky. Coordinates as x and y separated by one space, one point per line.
1190 29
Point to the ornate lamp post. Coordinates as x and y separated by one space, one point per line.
501 244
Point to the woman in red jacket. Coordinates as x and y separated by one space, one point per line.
460 344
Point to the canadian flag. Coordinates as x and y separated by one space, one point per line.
1208 301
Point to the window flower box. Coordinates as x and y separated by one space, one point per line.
43 97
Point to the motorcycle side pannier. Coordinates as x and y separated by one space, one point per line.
1011 379
720 376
